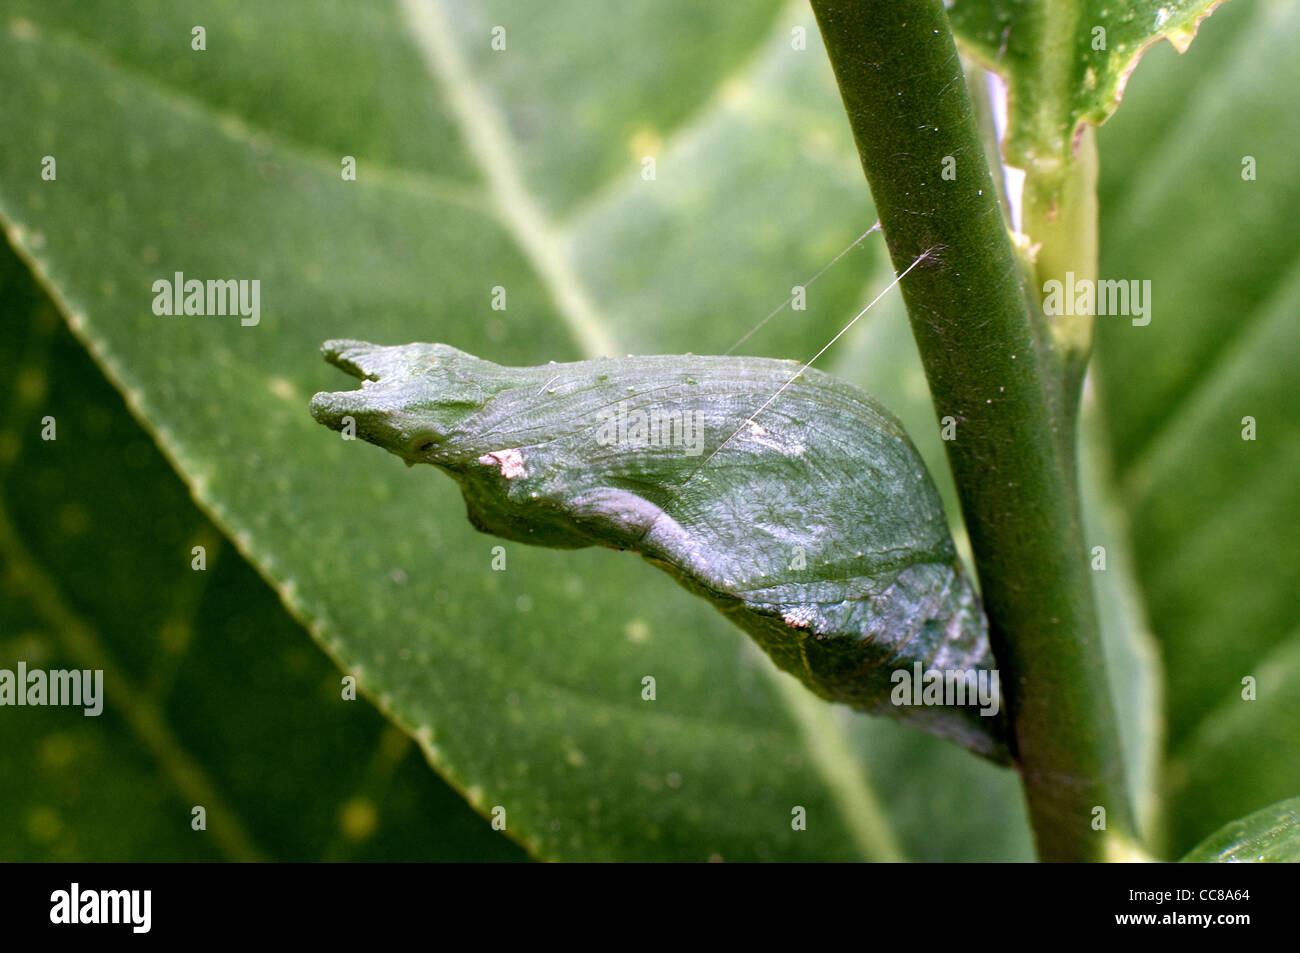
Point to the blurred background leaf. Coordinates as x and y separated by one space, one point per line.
1212 516
1271 834
213 695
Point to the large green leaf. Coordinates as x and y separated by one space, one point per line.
211 694
519 169
1270 835
1211 514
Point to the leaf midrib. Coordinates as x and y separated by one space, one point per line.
415 182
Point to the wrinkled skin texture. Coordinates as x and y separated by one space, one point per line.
815 528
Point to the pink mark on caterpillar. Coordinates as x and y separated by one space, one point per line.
510 461
800 617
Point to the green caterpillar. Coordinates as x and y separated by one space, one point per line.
814 527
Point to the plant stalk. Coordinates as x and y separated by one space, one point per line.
992 367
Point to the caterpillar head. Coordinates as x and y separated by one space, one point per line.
412 401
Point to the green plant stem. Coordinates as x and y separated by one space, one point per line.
1059 207
990 368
